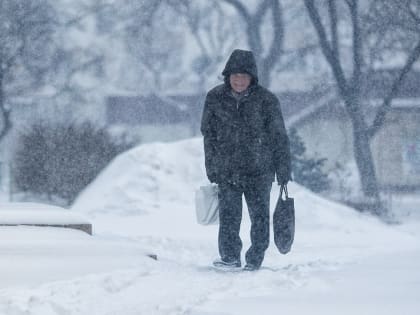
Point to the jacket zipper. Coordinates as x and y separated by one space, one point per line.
237 129
236 176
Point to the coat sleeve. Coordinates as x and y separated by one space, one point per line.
280 141
208 130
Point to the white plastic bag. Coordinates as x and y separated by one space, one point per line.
207 204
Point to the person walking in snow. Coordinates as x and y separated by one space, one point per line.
246 147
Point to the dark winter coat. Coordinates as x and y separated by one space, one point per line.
244 139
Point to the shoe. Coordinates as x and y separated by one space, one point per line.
251 267
220 263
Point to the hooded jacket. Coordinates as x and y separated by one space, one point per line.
244 139
241 61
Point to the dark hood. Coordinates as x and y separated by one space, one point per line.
241 61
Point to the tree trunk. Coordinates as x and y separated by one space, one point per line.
5 114
364 161
255 44
265 62
362 152
365 164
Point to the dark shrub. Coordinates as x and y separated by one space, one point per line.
60 160
306 171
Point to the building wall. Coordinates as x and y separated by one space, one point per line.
395 149
328 138
166 133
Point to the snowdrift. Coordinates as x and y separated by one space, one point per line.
149 190
148 177
342 262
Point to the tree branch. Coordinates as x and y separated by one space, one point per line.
87 11
262 8
5 113
386 105
332 58
413 14
241 9
7 122
357 44
254 39
332 9
276 44
350 3
253 23
221 36
192 18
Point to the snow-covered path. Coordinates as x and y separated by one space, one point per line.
342 262
181 282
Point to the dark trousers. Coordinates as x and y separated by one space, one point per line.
257 197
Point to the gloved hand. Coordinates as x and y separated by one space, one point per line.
283 175
213 178
283 180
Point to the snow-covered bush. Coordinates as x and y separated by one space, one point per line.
61 159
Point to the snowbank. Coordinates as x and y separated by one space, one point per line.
36 213
149 190
151 176
35 255
342 262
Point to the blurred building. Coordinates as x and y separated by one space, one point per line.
148 118
318 115
327 131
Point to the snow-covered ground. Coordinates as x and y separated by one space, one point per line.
342 262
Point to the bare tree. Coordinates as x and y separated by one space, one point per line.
394 27
25 33
214 32
156 47
349 84
254 24
153 40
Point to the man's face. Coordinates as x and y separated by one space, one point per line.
239 81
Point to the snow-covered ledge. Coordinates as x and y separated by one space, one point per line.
36 214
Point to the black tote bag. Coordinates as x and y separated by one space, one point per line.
284 222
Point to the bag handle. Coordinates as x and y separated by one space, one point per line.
283 187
